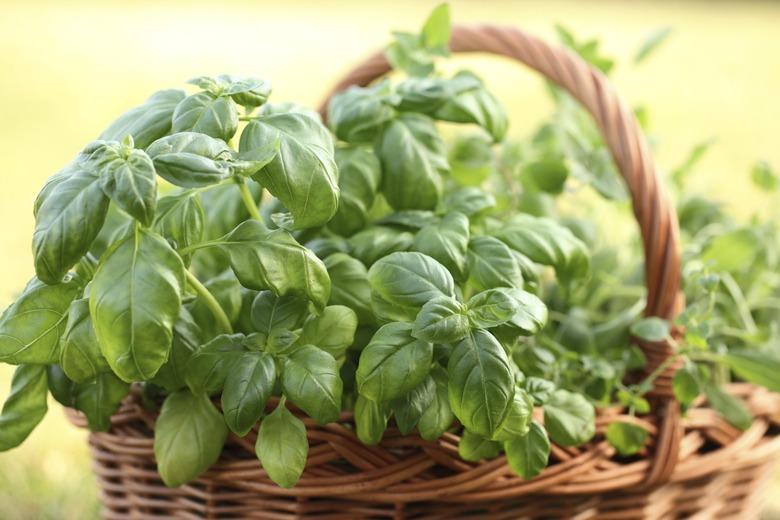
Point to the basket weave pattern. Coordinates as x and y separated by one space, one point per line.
694 466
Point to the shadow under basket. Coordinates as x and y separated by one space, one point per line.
721 473
695 465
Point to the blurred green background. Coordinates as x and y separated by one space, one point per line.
69 68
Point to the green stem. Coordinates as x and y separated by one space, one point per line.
249 201
211 302
184 251
739 300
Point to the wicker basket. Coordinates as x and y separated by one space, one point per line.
696 466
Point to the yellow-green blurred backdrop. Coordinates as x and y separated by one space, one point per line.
67 68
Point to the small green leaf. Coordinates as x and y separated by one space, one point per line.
761 368
470 201
247 388
492 308
393 363
492 264
474 447
206 113
409 408
731 408
180 219
528 455
651 43
531 314
187 337
472 162
209 365
188 437
441 320
436 31
437 417
282 446
80 354
349 286
569 418
651 329
474 104
311 381
148 122
191 159
518 420
686 385
626 438
24 407
359 178
375 242
763 177
99 399
357 114
370 420
270 312
332 331
733 251
446 241
482 384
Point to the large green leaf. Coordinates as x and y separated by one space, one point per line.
437 417
282 447
209 365
482 384
447 242
349 285
357 114
69 214
208 114
247 388
127 176
441 320
359 178
271 312
548 243
148 122
274 260
528 455
191 159
410 407
413 160
311 381
569 418
401 283
518 420
474 447
134 301
31 327
24 407
187 337
80 354
492 308
492 264
303 175
393 363
188 437
99 399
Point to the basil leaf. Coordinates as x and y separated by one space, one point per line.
247 388
359 178
303 175
731 408
539 389
80 354
370 420
626 438
491 264
376 242
69 215
393 363
190 159
62 389
134 300
531 314
435 33
528 455
437 417
469 200
569 418
332 331
148 122
181 219
409 408
31 327
127 177
357 114
548 243
518 420
186 340
685 385
474 104
226 290
250 93
264 259
413 160
446 241
206 113
24 407
651 329
99 399
473 447
401 283
209 365
482 384
492 308
270 312
282 447
762 368
311 381
472 160
548 174
441 320
349 286
188 437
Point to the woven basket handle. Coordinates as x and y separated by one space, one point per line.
656 216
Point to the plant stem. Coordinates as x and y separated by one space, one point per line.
249 201
210 301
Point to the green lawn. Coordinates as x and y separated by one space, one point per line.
70 68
